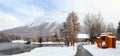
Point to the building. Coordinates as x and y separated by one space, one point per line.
82 37
106 40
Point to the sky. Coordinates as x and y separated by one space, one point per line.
14 13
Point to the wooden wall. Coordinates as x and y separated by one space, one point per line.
109 39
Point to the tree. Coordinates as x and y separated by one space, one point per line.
64 34
118 31
110 28
92 35
94 26
28 41
8 37
40 40
71 28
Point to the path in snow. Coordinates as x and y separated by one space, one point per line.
82 51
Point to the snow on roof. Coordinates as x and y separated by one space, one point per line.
47 43
83 36
19 41
103 35
111 36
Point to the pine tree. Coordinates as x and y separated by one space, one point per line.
64 34
118 31
92 35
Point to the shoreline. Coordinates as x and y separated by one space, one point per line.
7 49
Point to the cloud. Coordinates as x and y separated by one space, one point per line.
109 9
24 10
8 21
27 10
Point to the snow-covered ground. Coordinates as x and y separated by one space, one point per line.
19 41
71 51
50 51
93 49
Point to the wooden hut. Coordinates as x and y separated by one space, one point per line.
106 40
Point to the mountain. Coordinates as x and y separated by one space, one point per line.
43 25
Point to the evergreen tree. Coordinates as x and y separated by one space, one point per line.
40 40
64 34
118 31
92 35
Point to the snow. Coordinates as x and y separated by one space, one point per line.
83 36
50 51
103 52
111 36
19 41
48 43
50 17
71 51
68 51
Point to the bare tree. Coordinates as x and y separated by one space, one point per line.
8 37
110 28
94 26
38 37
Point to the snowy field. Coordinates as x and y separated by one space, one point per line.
50 51
71 51
103 52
